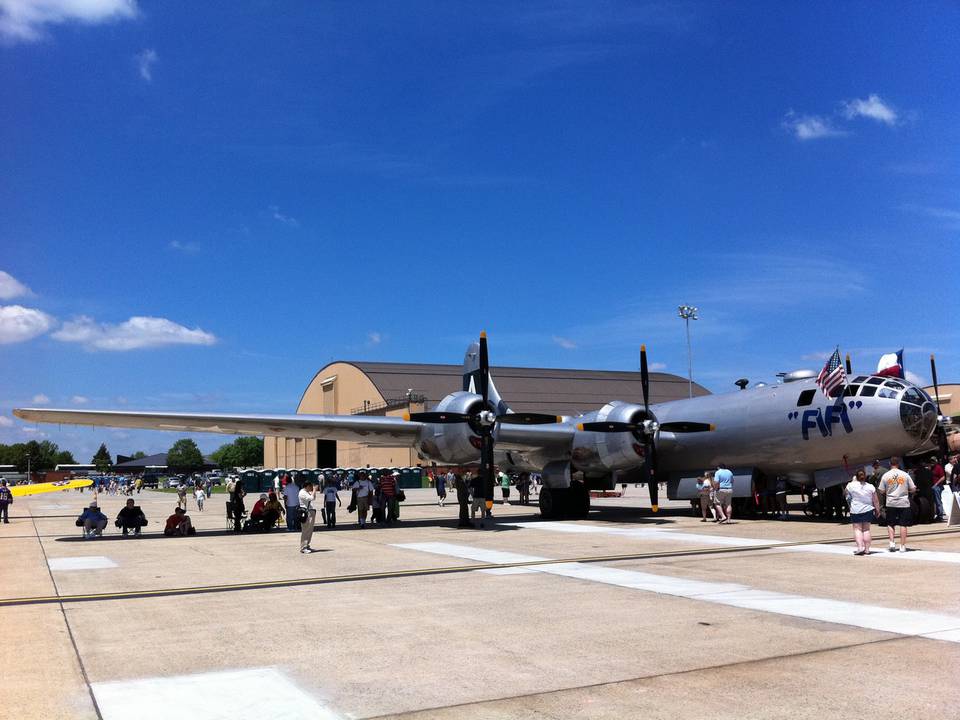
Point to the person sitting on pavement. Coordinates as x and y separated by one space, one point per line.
179 524
92 521
131 517
262 516
274 509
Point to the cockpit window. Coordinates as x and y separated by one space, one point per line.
859 379
851 390
868 391
886 392
874 381
912 395
806 397
894 384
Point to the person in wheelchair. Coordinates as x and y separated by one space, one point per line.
131 517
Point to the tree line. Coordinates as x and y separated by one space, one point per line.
184 455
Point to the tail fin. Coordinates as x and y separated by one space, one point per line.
471 368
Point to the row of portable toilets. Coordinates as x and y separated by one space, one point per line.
257 481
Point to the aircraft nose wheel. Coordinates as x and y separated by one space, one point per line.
559 503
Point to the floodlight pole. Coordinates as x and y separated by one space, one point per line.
688 313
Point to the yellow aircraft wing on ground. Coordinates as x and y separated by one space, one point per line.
37 488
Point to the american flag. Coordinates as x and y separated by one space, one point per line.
832 376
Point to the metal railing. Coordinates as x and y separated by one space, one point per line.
375 408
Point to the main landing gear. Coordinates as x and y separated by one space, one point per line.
560 503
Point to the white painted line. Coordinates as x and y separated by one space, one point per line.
89 562
868 617
879 549
508 571
252 694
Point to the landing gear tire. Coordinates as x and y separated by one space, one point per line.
554 502
578 501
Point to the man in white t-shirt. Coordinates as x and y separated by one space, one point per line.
307 498
896 487
364 491
291 502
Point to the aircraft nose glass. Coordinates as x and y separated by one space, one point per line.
919 421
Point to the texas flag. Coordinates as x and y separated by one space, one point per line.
891 364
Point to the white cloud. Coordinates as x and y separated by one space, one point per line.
19 324
872 107
565 343
188 248
10 287
134 334
79 400
809 127
146 59
374 338
281 218
911 376
5 421
658 366
40 399
24 20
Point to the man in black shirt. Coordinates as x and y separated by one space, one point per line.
131 517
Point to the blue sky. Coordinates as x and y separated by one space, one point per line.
203 204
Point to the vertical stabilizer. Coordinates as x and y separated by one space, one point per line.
471 367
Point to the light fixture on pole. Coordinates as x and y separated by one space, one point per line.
688 313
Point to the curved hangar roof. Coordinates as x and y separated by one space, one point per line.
350 385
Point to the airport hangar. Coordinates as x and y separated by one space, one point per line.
391 389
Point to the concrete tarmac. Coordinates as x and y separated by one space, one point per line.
624 614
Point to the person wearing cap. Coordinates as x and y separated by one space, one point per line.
6 500
179 524
307 499
363 490
92 521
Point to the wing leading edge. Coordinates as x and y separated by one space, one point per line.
355 428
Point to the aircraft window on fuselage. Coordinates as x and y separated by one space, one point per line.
851 390
868 391
874 381
887 393
894 384
859 379
806 397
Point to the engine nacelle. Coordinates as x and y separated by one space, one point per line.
596 452
454 443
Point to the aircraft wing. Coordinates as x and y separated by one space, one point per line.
366 429
526 437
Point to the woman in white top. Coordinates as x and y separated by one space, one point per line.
705 491
862 497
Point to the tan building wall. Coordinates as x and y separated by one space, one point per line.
341 389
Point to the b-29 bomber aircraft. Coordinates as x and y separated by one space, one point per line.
791 429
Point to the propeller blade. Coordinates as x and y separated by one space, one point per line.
645 379
652 485
936 387
484 375
441 418
687 427
528 419
609 427
849 366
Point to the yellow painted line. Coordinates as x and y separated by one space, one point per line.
413 572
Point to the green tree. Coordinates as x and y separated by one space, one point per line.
102 459
65 457
184 456
43 455
138 454
242 452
